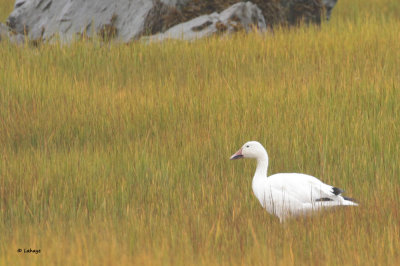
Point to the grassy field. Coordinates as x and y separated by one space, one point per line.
119 154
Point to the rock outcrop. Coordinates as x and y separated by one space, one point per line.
127 20
7 34
329 5
275 12
45 19
240 16
302 11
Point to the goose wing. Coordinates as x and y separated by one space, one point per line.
303 188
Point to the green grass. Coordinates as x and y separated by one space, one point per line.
119 154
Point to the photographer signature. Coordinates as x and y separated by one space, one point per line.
26 250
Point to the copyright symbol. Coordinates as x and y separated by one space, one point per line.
19 250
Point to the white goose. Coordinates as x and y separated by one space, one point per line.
288 194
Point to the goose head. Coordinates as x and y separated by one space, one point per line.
251 149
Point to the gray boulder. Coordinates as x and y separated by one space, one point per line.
45 19
240 16
329 5
7 34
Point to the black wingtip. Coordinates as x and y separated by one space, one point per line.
324 199
337 191
350 199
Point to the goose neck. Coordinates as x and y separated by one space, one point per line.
262 166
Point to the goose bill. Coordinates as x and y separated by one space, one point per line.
237 155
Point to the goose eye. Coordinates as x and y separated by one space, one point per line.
247 146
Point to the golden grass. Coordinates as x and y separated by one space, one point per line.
119 154
6 6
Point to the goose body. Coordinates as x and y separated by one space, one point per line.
288 194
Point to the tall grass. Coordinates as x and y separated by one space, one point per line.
118 154
6 7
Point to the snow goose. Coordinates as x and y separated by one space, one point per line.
288 194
